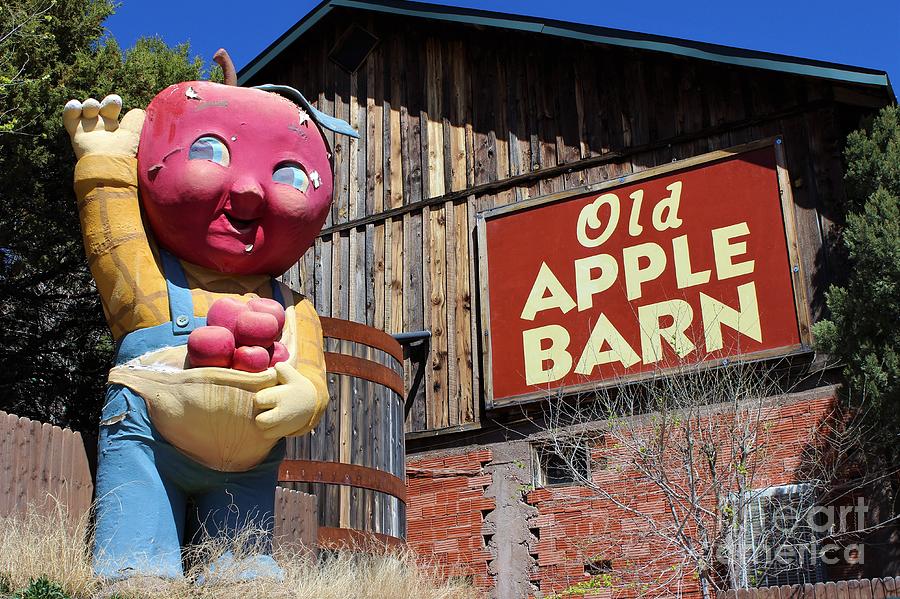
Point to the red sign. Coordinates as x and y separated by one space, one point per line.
671 267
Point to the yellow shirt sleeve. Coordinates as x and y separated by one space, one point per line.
310 356
129 279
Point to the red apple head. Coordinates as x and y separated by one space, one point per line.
234 179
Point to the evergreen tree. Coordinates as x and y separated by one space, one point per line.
863 331
54 345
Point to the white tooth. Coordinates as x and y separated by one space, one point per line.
316 179
248 248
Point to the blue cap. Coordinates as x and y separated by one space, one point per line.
329 122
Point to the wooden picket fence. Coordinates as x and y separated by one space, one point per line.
43 467
296 521
876 588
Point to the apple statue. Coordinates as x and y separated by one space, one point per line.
188 212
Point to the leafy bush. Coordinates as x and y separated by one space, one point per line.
42 588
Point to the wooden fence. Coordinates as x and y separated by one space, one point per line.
296 521
876 588
41 465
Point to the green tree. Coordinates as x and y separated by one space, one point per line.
54 345
863 330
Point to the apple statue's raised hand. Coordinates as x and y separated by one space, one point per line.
94 127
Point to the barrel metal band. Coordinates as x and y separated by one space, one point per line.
315 471
342 538
360 333
364 369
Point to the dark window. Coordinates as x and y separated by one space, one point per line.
597 566
564 465
353 48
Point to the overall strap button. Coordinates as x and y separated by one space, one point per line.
181 321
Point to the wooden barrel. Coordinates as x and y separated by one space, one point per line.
354 461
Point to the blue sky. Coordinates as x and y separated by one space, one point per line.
862 33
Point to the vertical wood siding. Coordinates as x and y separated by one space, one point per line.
454 120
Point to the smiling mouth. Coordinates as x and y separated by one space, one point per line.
240 225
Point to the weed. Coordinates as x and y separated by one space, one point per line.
42 588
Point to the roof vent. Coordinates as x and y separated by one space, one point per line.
352 48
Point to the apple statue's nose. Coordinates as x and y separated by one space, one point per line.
246 198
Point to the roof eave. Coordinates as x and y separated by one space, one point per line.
696 50
282 43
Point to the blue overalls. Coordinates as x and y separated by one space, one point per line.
144 483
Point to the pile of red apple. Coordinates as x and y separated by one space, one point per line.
240 336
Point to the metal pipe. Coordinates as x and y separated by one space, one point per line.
411 337
416 345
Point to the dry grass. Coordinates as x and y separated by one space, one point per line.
51 545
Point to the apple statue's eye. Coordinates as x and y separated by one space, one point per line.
210 148
291 173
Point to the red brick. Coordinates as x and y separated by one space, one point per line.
419 500
446 546
479 481
432 511
483 503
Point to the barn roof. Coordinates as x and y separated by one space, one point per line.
590 33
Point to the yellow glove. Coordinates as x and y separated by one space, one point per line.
95 129
291 407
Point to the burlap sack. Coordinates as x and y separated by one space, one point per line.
207 413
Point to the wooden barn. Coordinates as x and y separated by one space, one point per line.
469 120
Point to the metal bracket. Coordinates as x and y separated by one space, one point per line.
416 346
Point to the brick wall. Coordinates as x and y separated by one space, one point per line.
571 528
575 527
445 511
